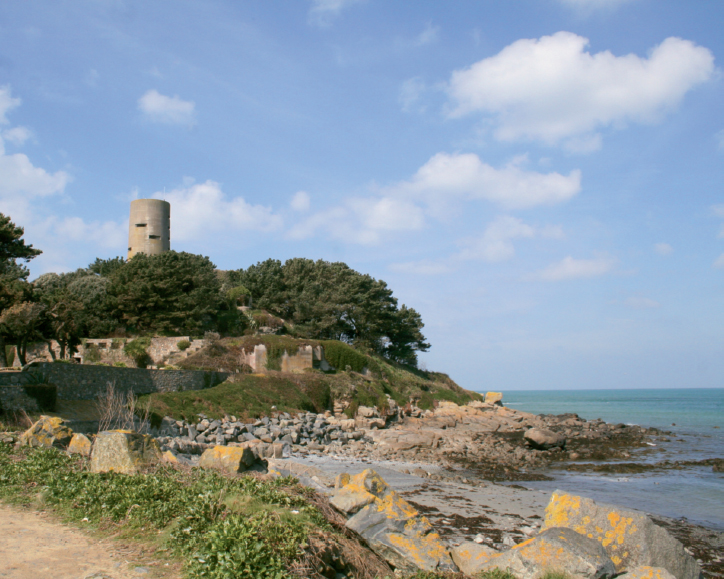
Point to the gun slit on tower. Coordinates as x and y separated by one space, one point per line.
149 227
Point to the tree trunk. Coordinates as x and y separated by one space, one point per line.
21 348
50 349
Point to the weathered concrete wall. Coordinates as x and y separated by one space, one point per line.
305 357
83 382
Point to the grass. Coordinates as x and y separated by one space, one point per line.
254 395
248 396
219 526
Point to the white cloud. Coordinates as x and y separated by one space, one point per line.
718 210
323 12
362 220
719 262
423 267
641 303
465 176
720 139
204 210
7 102
17 135
570 268
301 201
409 95
169 110
496 242
552 90
109 234
663 249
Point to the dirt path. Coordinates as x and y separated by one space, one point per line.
32 546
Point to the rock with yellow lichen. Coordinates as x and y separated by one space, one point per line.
646 572
471 557
80 444
228 459
494 398
123 451
558 549
630 538
389 524
47 431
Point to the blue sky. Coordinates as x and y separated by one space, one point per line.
541 179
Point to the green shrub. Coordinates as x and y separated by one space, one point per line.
119 365
497 574
91 354
137 350
183 345
341 355
239 295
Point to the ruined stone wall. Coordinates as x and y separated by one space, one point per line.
305 357
84 382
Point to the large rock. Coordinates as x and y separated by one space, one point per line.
494 398
644 572
543 439
558 549
471 557
630 538
228 459
123 451
80 444
390 525
48 431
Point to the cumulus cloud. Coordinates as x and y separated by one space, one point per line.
553 90
362 220
719 262
663 249
427 36
323 12
173 110
570 268
640 303
108 234
7 103
465 176
203 209
301 201
720 140
422 267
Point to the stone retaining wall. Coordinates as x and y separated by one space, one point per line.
84 382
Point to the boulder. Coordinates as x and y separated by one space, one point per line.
390 525
80 444
472 557
559 549
47 431
367 412
169 457
494 398
630 538
123 451
228 459
542 439
645 572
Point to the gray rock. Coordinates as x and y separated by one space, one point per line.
557 548
630 538
542 439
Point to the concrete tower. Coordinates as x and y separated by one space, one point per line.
149 228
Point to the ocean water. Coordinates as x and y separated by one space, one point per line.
693 416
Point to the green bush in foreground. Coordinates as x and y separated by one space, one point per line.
222 527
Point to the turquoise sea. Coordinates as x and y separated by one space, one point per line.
693 416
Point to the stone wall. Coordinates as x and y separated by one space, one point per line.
84 382
110 350
305 357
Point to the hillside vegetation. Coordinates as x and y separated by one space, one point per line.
360 380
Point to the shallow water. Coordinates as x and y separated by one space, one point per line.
695 419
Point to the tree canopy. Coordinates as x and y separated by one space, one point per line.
329 300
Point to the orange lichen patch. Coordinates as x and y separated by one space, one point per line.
169 456
80 444
425 552
47 431
230 459
395 507
559 510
